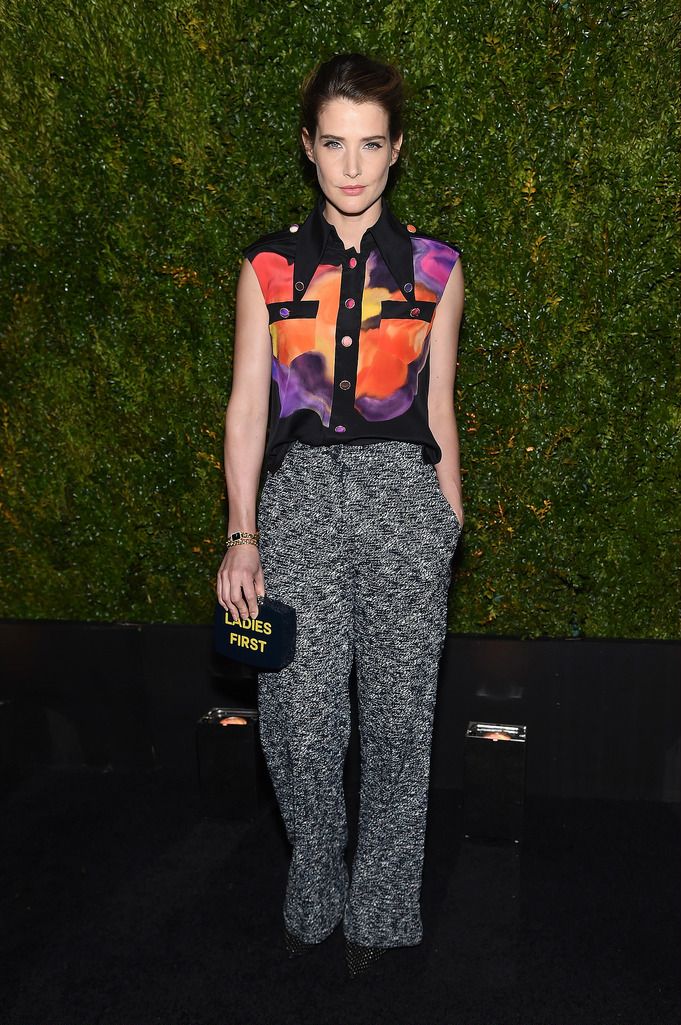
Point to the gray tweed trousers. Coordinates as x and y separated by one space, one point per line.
359 539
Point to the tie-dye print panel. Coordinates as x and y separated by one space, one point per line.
303 350
393 350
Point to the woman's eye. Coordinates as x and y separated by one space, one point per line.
374 145
331 144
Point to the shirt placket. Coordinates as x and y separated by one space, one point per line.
348 322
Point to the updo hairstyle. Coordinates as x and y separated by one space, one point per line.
352 76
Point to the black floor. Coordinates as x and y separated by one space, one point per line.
125 902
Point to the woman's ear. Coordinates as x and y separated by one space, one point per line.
395 148
307 145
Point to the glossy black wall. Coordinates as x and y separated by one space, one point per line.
603 717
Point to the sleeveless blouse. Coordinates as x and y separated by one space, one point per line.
350 332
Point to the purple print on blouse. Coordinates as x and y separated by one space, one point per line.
377 273
395 404
304 385
433 263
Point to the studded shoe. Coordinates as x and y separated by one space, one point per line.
359 958
294 945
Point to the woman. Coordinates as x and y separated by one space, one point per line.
346 342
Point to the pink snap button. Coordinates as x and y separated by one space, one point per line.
346 340
415 312
340 429
349 304
411 228
352 262
294 227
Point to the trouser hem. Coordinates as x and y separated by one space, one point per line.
317 937
385 931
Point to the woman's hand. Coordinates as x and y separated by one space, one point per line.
453 496
240 581
458 509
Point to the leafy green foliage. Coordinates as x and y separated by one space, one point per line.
144 145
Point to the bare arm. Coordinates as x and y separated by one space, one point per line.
240 577
444 344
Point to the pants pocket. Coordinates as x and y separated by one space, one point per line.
447 510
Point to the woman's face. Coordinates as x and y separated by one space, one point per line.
353 153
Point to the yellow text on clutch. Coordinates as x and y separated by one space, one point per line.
258 625
252 643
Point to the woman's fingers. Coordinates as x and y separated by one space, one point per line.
244 597
233 598
251 599
240 581
222 586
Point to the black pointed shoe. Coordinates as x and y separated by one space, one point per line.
359 958
294 945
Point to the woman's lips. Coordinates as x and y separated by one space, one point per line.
352 190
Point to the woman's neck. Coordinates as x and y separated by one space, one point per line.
351 228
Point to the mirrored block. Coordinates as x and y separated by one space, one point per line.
494 781
229 761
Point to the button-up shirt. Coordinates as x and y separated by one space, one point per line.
350 332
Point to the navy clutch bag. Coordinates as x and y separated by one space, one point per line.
267 642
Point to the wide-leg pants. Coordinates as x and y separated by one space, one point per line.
359 539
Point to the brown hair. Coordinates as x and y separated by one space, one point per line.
352 76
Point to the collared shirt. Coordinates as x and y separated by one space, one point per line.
350 332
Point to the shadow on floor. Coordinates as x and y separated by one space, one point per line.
128 901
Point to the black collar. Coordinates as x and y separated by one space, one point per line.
389 234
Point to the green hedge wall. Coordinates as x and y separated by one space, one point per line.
142 145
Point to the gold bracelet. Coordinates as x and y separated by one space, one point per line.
242 537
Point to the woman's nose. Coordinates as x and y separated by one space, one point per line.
352 165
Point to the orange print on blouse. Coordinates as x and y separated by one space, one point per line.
303 333
388 347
